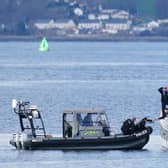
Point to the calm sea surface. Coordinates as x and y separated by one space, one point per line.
122 78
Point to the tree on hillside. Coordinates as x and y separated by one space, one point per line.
129 5
162 9
20 28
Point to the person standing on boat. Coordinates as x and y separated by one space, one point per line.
87 121
164 98
165 113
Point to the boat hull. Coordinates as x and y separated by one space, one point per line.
134 141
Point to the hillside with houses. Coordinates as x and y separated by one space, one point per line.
69 18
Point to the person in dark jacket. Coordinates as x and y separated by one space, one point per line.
141 125
128 126
165 113
87 121
164 98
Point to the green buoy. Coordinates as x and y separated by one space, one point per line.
44 45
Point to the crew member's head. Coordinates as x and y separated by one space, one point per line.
165 89
134 119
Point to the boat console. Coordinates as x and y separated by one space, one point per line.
85 123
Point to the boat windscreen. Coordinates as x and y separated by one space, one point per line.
90 119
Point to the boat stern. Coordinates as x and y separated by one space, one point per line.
18 141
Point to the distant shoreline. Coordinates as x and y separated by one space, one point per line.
89 38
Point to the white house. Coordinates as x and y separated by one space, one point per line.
140 28
109 11
152 24
89 24
162 21
91 17
43 24
103 17
59 24
110 31
145 27
118 24
121 14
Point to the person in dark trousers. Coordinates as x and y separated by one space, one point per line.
128 126
141 125
164 98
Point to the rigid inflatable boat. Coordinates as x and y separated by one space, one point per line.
82 129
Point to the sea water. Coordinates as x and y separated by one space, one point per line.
120 77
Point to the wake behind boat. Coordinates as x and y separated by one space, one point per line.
82 129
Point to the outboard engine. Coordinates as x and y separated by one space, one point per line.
18 140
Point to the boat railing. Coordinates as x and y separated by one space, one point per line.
31 113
